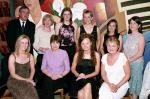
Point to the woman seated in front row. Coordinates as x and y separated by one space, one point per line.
115 72
21 68
55 66
85 67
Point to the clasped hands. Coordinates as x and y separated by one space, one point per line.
113 87
81 76
56 76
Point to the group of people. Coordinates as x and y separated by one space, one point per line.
71 55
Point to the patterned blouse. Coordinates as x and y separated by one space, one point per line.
66 33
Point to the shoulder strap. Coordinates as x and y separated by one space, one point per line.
82 30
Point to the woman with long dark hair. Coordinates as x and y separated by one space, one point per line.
85 67
67 31
112 31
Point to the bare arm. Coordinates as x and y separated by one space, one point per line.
127 75
74 64
57 27
32 64
75 33
11 67
141 45
103 74
77 36
98 39
97 67
121 43
101 44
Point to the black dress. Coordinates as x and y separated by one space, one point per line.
85 66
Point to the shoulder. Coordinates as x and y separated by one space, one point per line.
13 21
76 54
47 52
63 51
141 35
39 27
59 24
12 57
31 23
123 56
74 25
105 55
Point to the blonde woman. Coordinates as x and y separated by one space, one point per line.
21 68
42 43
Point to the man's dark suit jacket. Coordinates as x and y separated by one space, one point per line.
14 30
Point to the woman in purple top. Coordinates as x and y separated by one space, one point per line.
55 66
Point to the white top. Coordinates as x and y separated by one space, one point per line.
42 38
115 72
145 91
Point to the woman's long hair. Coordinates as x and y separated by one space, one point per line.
81 51
116 29
69 10
138 21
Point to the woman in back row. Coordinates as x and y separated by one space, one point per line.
133 49
112 31
89 27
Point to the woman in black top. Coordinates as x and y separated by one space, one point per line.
85 67
112 31
89 27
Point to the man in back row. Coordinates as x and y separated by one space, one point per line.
20 26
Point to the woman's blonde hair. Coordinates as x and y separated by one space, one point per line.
17 45
48 16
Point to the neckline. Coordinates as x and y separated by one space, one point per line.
111 65
22 63
88 32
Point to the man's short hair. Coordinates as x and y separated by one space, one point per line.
23 7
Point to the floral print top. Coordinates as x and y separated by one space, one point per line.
66 33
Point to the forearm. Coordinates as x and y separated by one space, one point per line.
18 77
123 81
75 73
97 45
102 51
91 75
135 57
32 74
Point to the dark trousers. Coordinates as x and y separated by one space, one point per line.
49 86
38 77
70 50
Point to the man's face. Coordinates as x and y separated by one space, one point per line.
24 14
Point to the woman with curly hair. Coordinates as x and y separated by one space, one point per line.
85 67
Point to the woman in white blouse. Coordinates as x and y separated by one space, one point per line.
42 37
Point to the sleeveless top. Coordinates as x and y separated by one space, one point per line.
66 33
106 36
131 46
93 33
22 70
85 66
